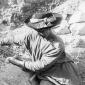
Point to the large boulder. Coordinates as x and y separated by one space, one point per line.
75 53
82 6
80 43
69 7
78 28
78 16
74 41
68 39
63 29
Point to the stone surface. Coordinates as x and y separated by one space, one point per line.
63 29
75 52
78 29
77 17
80 43
79 14
68 7
68 39
74 41
82 6
13 75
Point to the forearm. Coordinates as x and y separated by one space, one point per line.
27 64
46 60
39 64
44 63
17 62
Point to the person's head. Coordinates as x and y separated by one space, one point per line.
52 20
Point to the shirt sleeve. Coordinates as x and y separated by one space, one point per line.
50 55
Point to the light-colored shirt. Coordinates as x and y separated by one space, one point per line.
41 51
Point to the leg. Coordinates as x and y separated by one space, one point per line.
44 82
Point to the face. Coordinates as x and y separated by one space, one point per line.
44 33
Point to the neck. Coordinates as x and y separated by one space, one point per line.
49 35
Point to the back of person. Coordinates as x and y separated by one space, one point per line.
64 70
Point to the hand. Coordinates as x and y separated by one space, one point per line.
8 59
45 19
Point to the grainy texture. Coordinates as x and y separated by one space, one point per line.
71 30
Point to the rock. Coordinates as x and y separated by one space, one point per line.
75 52
75 41
81 43
13 75
82 6
63 29
68 39
78 43
69 7
77 17
78 28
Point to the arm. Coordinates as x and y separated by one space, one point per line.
45 53
15 61
48 58
31 65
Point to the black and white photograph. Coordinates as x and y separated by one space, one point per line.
42 42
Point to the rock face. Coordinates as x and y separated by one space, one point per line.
63 29
69 7
77 21
77 17
74 40
78 28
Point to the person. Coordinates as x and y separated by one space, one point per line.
46 50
